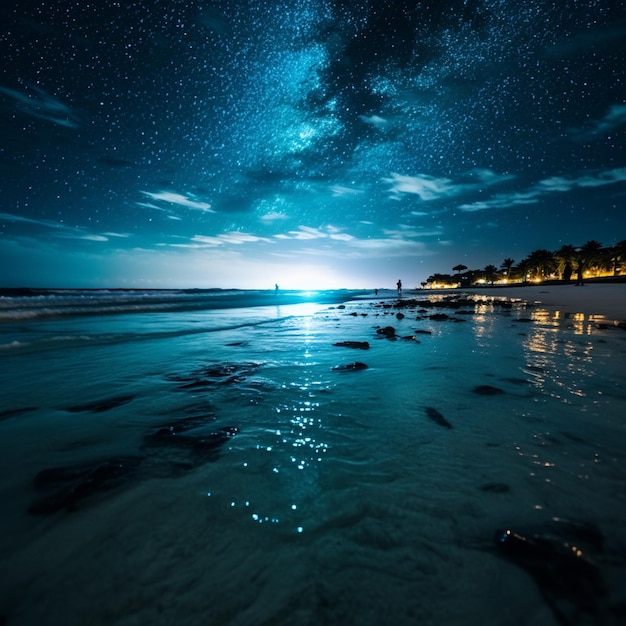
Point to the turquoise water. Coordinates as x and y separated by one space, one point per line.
339 500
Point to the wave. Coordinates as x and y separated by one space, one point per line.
56 342
28 304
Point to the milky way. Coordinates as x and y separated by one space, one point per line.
239 143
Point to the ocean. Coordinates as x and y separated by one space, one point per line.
333 457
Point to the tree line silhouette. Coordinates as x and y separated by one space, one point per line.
566 264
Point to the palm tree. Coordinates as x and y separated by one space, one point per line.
565 257
586 256
617 256
491 273
541 263
507 264
443 279
459 268
521 270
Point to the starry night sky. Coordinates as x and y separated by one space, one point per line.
313 143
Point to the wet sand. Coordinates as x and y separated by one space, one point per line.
602 301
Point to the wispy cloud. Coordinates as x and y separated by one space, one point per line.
502 201
551 185
433 188
426 187
37 103
10 217
188 201
304 233
83 236
368 248
339 191
273 217
375 120
409 232
119 235
330 241
61 230
614 119
234 238
342 237
154 207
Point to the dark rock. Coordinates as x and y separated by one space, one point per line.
350 367
99 406
439 317
400 316
516 381
437 417
194 436
73 484
557 557
8 413
410 338
220 374
423 332
358 345
167 450
387 331
102 468
524 320
495 488
487 390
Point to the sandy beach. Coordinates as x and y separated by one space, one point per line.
600 300
183 462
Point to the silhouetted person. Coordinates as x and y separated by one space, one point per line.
567 273
399 286
579 275
276 288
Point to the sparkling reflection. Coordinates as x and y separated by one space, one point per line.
278 476
560 353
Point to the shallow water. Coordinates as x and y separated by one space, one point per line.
339 501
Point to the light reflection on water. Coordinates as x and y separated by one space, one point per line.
560 351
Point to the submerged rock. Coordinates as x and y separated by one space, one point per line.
99 406
8 413
387 331
350 367
487 390
437 417
191 436
558 557
358 345
67 486
167 450
213 375
495 488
